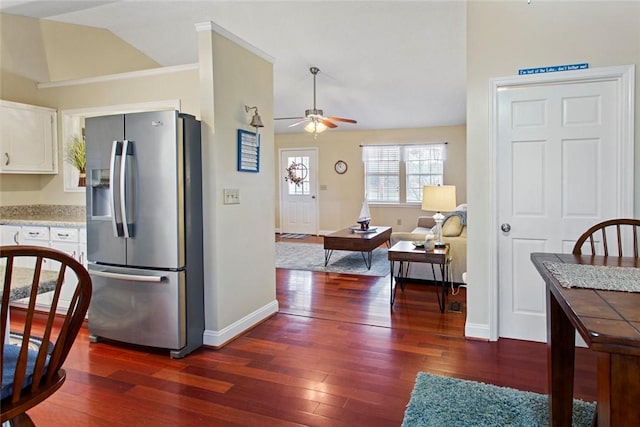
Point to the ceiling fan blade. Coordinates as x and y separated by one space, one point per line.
315 115
327 123
298 123
340 119
288 118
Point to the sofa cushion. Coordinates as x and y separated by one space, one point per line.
426 222
452 227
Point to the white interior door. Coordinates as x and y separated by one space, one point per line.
558 172
298 201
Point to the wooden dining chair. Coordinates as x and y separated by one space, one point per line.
608 238
33 353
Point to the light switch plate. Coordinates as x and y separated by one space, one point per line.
231 196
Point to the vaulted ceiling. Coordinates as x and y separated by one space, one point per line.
387 64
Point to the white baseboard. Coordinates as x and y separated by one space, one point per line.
219 338
478 331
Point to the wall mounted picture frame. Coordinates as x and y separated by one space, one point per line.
248 151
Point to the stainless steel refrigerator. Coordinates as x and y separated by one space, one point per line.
144 229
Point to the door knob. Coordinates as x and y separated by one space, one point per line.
505 227
313 197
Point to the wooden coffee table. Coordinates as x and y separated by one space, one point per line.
349 240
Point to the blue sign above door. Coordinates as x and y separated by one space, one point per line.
553 68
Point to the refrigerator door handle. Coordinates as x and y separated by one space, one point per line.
112 197
123 200
131 277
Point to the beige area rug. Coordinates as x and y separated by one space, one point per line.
310 256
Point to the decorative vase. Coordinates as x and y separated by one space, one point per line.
82 179
429 243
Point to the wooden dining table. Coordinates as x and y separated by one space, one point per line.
609 323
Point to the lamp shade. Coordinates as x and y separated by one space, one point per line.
439 198
315 126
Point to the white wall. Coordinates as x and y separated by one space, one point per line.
239 248
503 37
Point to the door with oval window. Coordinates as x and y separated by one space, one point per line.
298 190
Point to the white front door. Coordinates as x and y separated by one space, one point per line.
298 201
559 171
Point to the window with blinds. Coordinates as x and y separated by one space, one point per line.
382 174
396 174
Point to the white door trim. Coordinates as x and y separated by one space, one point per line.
625 77
279 177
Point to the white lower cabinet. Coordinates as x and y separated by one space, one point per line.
71 240
9 234
67 240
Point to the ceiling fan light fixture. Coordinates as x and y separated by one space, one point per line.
314 117
315 127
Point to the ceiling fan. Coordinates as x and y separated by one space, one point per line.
314 118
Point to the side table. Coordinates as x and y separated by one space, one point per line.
405 253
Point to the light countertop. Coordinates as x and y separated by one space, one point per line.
46 215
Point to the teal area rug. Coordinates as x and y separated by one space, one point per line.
445 401
310 256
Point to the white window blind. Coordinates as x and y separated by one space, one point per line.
382 173
397 173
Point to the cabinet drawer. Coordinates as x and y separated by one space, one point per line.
61 234
35 233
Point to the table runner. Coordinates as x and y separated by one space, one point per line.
595 277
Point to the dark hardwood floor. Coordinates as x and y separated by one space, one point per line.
335 355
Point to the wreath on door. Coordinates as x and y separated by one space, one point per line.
296 173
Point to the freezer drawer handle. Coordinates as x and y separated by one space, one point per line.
133 277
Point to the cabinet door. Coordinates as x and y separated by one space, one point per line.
82 246
10 234
70 281
28 139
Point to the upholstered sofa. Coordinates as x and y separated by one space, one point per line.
454 232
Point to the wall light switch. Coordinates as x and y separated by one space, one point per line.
231 196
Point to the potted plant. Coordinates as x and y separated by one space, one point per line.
76 155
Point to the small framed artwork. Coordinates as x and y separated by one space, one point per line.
248 151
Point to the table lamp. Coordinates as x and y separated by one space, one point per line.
438 199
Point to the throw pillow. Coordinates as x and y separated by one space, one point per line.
452 227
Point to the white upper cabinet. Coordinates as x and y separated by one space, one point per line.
28 139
